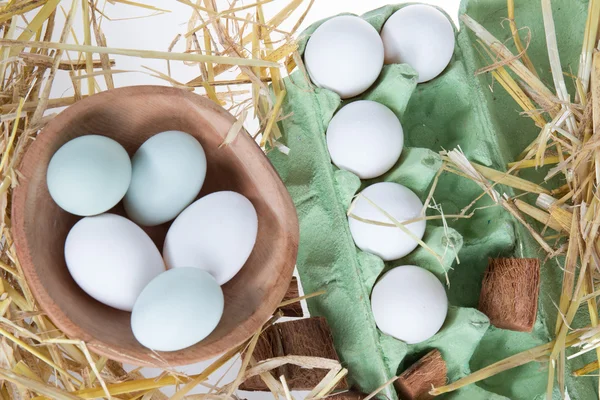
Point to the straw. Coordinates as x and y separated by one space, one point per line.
575 138
139 53
510 4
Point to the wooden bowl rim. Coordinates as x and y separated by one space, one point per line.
235 337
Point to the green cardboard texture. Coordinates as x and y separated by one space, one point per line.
455 109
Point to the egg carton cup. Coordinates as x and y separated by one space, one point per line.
455 109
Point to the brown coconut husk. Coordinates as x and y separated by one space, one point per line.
509 293
294 309
427 373
306 337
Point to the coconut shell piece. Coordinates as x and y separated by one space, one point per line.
509 293
294 309
304 337
427 373
347 395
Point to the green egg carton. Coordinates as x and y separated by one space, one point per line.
458 108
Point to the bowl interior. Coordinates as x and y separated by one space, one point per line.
131 116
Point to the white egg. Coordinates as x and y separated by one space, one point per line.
388 242
168 171
420 36
177 309
365 138
345 55
215 233
112 259
409 303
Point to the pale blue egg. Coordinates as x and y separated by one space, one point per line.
177 309
168 173
89 175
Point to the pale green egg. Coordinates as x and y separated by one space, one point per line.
168 173
177 309
89 175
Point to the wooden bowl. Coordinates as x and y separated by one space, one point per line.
131 115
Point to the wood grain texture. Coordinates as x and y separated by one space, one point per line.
132 115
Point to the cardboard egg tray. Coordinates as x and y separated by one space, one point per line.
458 108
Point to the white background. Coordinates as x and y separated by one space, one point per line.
156 33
